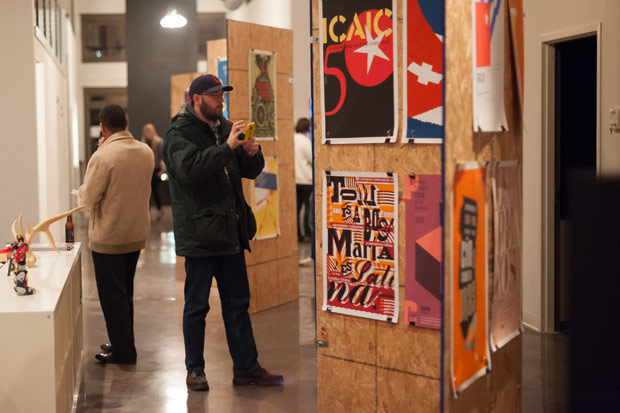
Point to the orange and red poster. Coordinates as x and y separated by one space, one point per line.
470 353
360 244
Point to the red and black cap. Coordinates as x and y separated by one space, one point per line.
207 84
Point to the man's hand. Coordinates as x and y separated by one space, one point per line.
233 139
251 147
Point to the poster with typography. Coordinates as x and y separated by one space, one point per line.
470 352
507 221
488 65
360 244
265 200
263 93
423 237
423 27
222 74
515 8
359 95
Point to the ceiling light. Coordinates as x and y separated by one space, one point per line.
173 20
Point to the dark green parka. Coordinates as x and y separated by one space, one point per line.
210 214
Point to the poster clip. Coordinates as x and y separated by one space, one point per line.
314 39
322 343
412 174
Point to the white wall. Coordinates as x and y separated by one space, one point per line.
543 18
274 13
18 144
302 91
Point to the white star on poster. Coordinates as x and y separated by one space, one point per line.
372 49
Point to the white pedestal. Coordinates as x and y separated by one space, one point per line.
41 335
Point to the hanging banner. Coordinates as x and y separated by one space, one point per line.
360 244
263 94
507 221
358 66
470 353
423 286
423 27
488 65
222 74
265 200
516 33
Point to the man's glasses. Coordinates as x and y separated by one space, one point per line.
214 95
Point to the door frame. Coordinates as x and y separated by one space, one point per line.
548 43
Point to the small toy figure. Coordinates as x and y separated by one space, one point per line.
18 253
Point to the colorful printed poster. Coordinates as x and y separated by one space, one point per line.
423 265
263 93
360 244
516 33
470 353
507 224
222 74
265 200
423 72
488 65
359 95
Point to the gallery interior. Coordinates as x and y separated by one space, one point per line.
464 206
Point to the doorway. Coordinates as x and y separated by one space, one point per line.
571 148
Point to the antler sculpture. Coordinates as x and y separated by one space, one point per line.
40 227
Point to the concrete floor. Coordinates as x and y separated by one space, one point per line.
285 337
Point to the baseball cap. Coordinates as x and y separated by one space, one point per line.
206 84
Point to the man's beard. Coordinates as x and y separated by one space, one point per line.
209 111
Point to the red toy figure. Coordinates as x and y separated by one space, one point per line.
16 254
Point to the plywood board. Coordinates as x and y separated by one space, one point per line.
178 85
401 392
216 49
288 279
345 386
498 391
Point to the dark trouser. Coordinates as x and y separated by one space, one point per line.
303 198
114 274
234 289
155 188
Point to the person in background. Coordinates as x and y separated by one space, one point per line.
206 158
116 191
303 177
156 143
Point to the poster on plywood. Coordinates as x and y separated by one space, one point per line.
360 244
488 65
507 246
359 95
265 201
470 351
423 237
263 93
423 76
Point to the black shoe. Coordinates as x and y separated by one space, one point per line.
107 348
108 358
260 377
196 380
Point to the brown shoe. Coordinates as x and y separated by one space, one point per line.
196 380
260 377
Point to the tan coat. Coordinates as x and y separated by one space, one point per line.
116 190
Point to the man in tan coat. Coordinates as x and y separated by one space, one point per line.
116 190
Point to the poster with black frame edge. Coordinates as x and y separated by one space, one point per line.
358 120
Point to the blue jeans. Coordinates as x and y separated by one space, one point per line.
232 283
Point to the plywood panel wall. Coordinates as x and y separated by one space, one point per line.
396 365
499 390
273 261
